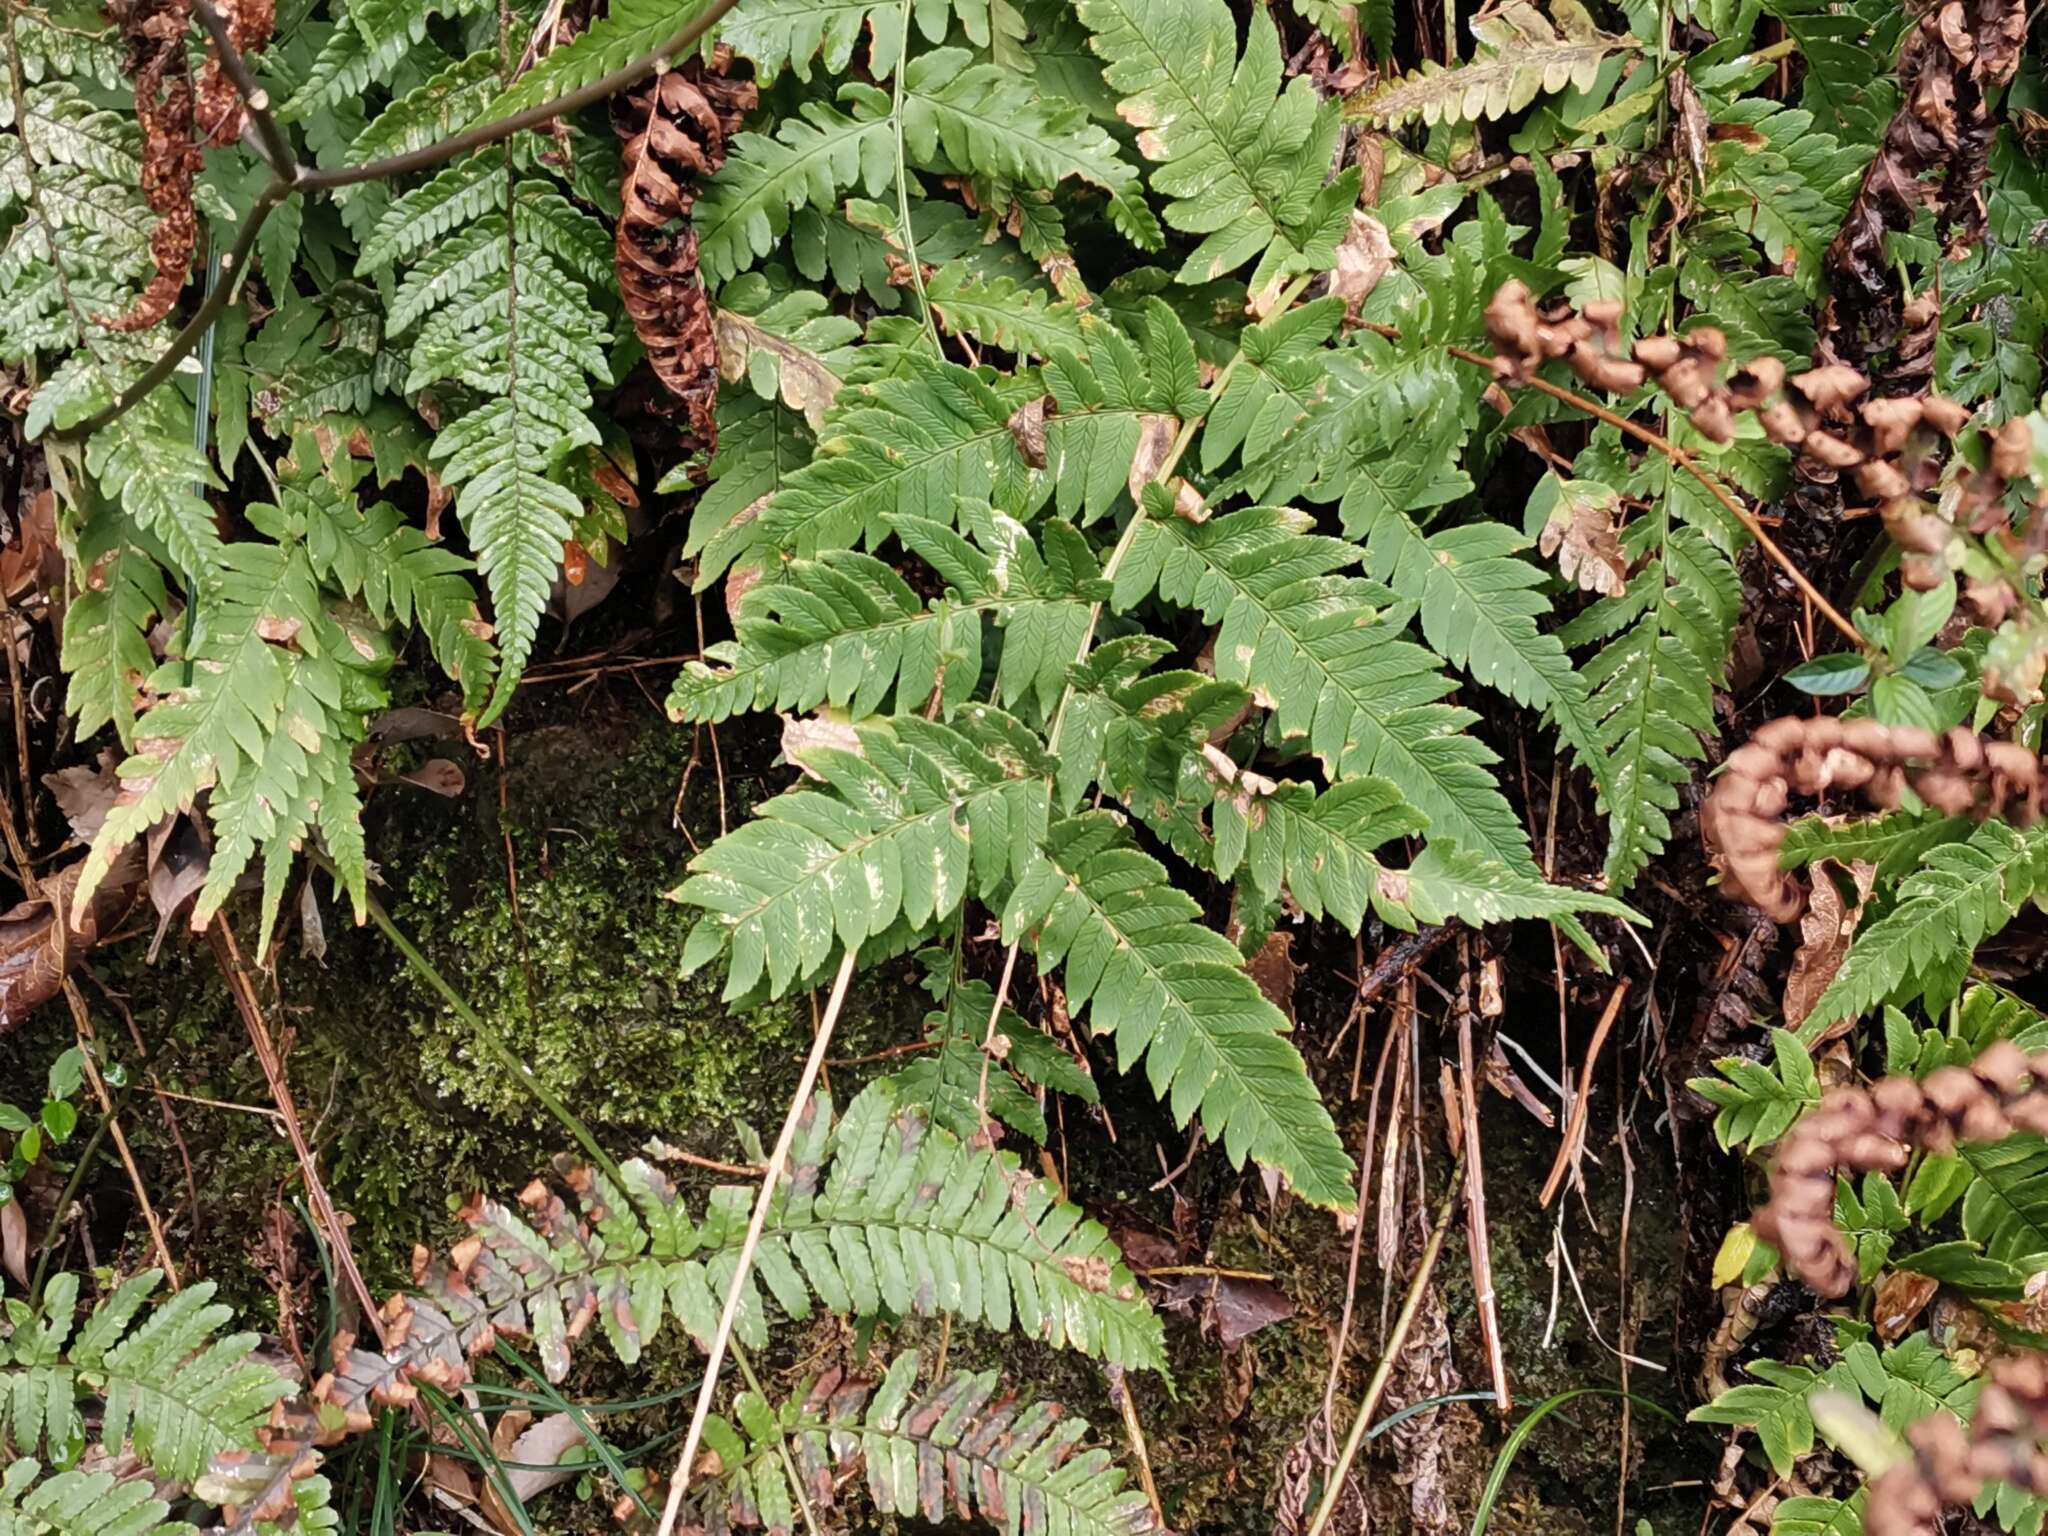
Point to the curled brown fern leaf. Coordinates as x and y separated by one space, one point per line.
154 31
674 131
221 112
1860 1130
1958 773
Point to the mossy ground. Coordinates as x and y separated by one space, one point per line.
580 975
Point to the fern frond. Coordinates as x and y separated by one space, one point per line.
914 444
775 35
149 455
466 190
963 1446
1781 181
445 104
959 118
373 37
1002 312
951 1083
785 342
175 1388
844 630
1522 54
262 705
373 555
1333 667
627 30
912 818
1175 994
106 652
878 1209
1961 895
1653 690
1243 162
1478 605
80 1503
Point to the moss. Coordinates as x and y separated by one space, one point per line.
582 980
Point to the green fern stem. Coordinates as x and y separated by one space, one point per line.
924 304
1182 439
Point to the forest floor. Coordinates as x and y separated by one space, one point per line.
539 892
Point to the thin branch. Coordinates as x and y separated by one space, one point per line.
187 340
484 134
1691 466
743 1271
277 149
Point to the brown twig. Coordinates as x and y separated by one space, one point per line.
228 956
1568 1151
1476 1236
1685 461
1333 1488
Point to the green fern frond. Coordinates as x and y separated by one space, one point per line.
1329 662
174 1387
1175 994
1002 312
374 555
1243 162
962 1447
953 1081
1778 179
629 29
468 189
1478 605
1653 682
374 36
878 1209
79 1503
262 707
959 118
1961 895
844 630
911 445
775 35
106 652
912 818
149 455
1522 54
432 110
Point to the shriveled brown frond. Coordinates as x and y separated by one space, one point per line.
155 33
1958 773
674 131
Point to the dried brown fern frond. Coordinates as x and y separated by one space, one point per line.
1860 1130
1951 1463
1936 153
155 33
221 113
673 132
1958 773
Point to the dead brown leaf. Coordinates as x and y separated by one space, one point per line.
1027 431
1901 1298
439 776
1824 936
673 132
1155 442
1363 257
1583 532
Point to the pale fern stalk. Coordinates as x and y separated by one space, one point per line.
1115 562
744 1269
